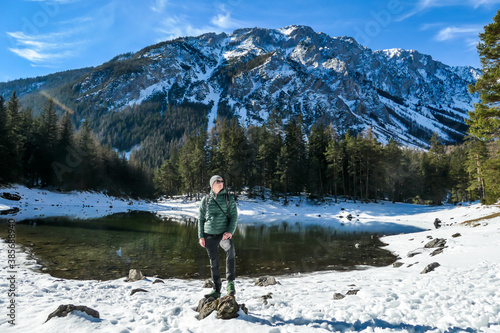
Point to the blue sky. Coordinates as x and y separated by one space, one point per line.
39 37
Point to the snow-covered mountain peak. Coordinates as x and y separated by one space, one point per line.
401 94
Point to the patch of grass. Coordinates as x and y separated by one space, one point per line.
487 217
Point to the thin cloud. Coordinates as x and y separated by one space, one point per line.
223 19
450 33
41 48
159 6
176 26
180 26
423 5
486 3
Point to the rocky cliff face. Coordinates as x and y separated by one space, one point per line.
398 93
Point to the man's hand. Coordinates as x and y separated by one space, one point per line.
227 235
202 242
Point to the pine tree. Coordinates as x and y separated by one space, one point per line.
353 161
66 160
334 156
459 176
166 179
477 158
271 141
292 164
484 122
15 139
435 167
47 143
317 146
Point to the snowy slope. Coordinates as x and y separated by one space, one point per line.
462 294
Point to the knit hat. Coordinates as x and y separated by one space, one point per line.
213 179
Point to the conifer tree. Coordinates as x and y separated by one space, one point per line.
484 122
292 159
393 166
318 165
47 142
15 138
166 179
271 141
334 156
459 177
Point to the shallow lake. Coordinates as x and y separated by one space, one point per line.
107 248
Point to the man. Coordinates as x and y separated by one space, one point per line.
217 221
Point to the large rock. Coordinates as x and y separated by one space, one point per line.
206 306
11 196
437 242
64 310
430 268
266 281
208 284
138 290
227 308
134 275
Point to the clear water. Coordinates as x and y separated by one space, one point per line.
107 248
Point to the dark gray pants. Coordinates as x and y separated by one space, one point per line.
212 243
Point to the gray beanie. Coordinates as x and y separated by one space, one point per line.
213 179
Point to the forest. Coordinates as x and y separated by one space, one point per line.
276 160
46 151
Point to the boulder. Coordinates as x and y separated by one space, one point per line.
11 196
338 296
11 211
206 306
437 251
227 308
64 310
430 268
134 275
138 290
437 242
266 281
208 284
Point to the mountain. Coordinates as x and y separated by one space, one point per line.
168 89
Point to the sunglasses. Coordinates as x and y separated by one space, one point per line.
218 181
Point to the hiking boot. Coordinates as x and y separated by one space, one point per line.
230 288
214 294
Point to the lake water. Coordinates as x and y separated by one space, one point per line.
108 247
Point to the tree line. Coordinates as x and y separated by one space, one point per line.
285 159
47 151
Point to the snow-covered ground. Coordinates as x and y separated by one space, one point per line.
462 294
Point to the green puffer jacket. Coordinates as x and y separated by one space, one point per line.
212 220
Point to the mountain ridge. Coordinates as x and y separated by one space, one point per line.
401 94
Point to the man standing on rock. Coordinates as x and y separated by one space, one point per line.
217 221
